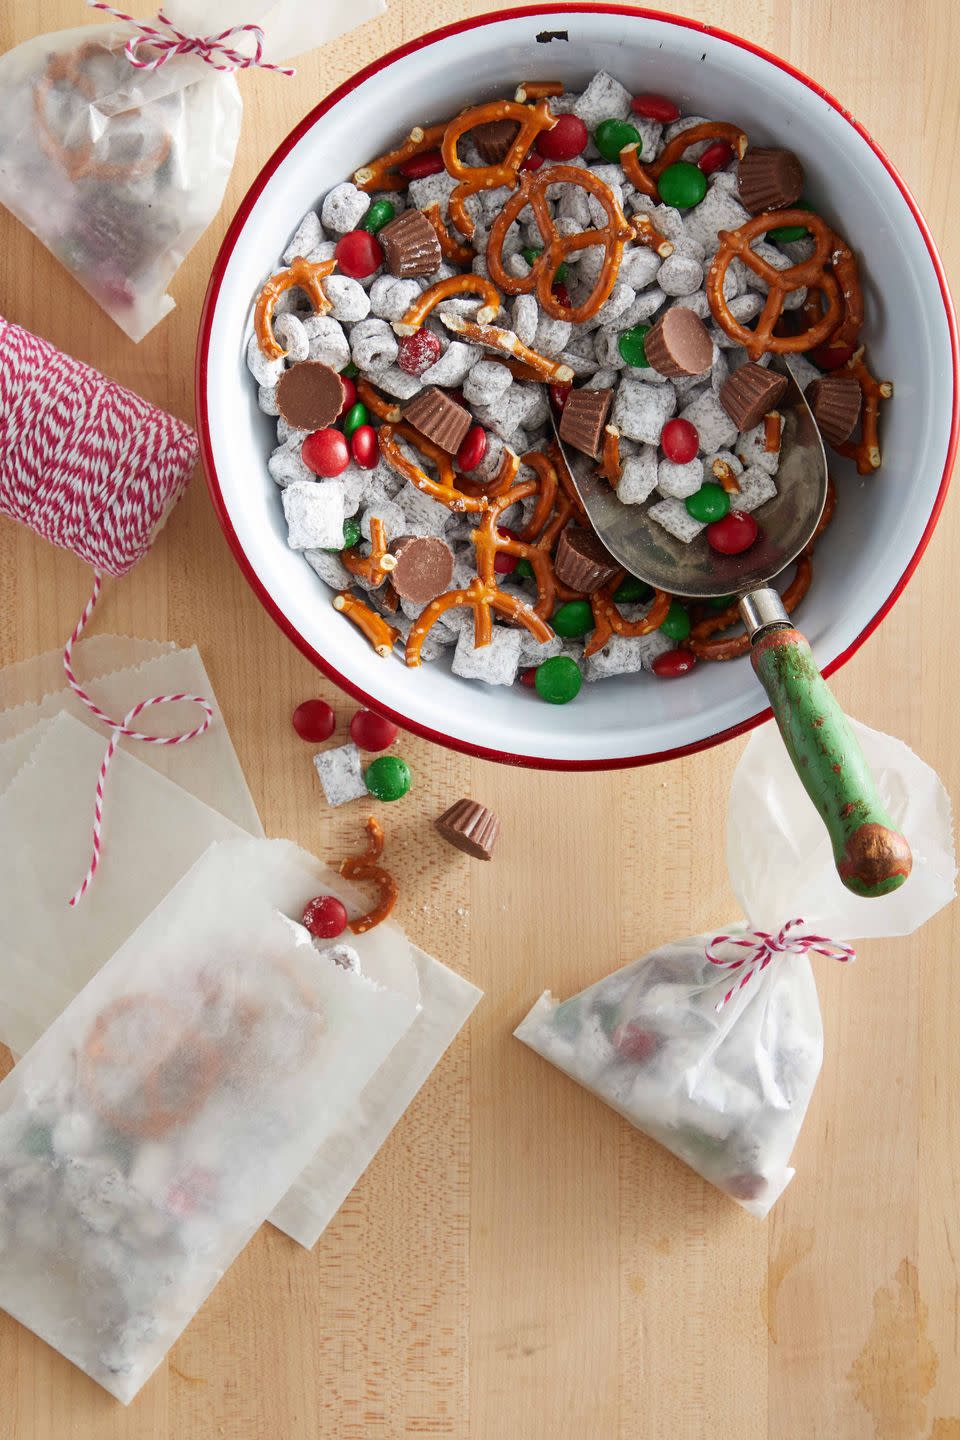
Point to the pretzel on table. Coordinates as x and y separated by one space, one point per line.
375 402
444 489
450 247
532 191
378 630
814 271
444 290
531 121
305 274
645 177
866 450
481 599
379 173
607 620
496 338
377 565
364 867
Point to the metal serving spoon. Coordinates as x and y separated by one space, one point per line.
872 858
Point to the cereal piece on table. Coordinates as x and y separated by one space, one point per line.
373 346
328 566
422 514
615 306
327 341
344 207
341 774
756 488
524 318
625 655
605 379
697 302
391 516
638 477
639 266
471 827
399 383
752 450
714 426
510 412
432 190
494 664
310 395
603 99
314 512
718 210
265 372
534 651
286 467
680 274
486 383
348 299
267 399
391 298
291 333
551 336
675 518
646 304
679 479
640 410
454 365
307 236
343 955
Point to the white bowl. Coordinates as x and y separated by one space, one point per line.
881 527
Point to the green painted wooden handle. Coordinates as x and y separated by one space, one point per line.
872 858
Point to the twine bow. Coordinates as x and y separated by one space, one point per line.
760 948
171 41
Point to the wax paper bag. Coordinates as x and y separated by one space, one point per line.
712 1045
156 1123
119 170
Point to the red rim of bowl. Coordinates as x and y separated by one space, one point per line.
539 762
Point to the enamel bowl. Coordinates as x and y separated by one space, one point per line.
881 527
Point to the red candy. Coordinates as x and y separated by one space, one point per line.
349 395
473 449
325 917
562 294
314 720
529 677
680 441
633 1042
418 167
365 447
716 157
533 161
417 352
558 394
733 534
371 731
503 562
655 107
325 452
831 357
358 254
565 141
673 663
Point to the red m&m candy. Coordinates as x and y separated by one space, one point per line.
533 161
418 167
358 253
314 720
503 562
528 677
325 917
565 141
635 1042
365 447
831 357
733 534
715 157
680 441
349 394
371 731
325 452
473 449
563 294
417 352
559 393
655 107
673 663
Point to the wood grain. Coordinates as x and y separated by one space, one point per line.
517 1262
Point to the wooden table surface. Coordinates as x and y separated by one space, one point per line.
518 1262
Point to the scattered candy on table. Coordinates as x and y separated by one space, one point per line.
371 731
315 721
325 917
470 827
388 778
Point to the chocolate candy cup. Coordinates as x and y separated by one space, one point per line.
835 401
582 561
494 139
410 245
471 827
582 419
310 395
424 567
769 179
679 344
439 417
750 392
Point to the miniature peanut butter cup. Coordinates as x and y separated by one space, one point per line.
835 401
582 561
750 392
439 417
471 827
494 139
582 419
410 245
769 179
424 567
310 395
679 344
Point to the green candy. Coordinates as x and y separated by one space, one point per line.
784 233
711 502
531 254
350 370
682 185
381 212
631 591
558 680
676 625
632 347
720 602
388 778
611 136
351 536
573 619
355 417
524 569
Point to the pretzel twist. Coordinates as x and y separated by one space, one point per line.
814 271
866 450
375 402
307 274
531 120
496 338
379 173
443 290
489 541
374 567
444 489
607 620
504 478
645 177
482 599
381 634
364 867
613 236
450 247
548 485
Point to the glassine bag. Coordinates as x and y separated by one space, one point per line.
712 1045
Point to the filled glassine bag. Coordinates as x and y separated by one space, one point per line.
712 1045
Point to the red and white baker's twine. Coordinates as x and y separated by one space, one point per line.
93 468
170 41
760 948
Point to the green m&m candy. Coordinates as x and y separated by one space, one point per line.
784 233
631 591
524 569
720 602
631 344
711 502
351 536
611 136
355 417
350 370
682 185
573 619
558 680
381 212
676 624
388 777
531 254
